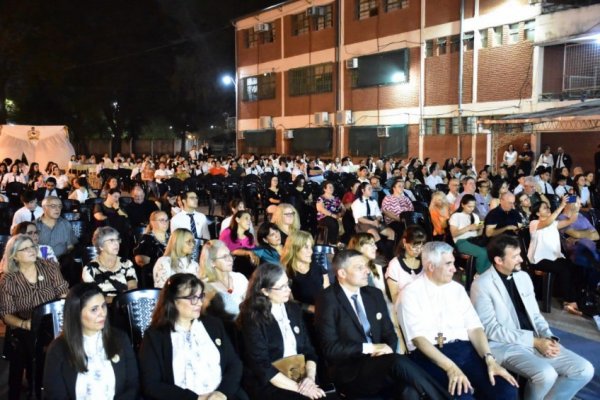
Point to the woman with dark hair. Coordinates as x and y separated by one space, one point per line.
395 204
545 249
329 213
186 355
238 237
350 195
524 207
406 266
582 191
273 196
151 246
273 328
111 183
367 215
81 191
109 213
269 243
465 225
33 174
236 204
499 187
89 360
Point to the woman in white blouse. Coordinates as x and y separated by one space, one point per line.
13 176
216 264
177 257
186 356
90 361
510 160
406 266
465 225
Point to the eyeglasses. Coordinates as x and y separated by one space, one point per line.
34 248
223 257
192 299
289 214
285 286
54 206
416 245
191 241
192 198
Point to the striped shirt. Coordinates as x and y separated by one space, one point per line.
396 205
19 297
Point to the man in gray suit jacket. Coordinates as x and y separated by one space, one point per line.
519 336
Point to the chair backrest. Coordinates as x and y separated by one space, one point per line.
54 309
70 205
3 240
137 306
125 201
89 253
322 256
524 240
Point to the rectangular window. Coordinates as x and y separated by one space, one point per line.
324 21
429 48
468 41
530 30
497 38
513 33
309 80
383 68
366 9
390 5
251 38
428 126
483 35
300 24
261 87
269 35
312 141
441 45
454 44
363 141
441 126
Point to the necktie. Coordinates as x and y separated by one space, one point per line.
545 188
32 216
193 226
362 317
368 208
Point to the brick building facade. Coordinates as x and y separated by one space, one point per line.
381 77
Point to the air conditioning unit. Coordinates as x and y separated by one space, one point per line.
240 135
383 131
343 117
322 118
352 63
315 11
288 134
265 123
262 27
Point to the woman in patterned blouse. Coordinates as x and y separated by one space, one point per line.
27 282
112 273
330 212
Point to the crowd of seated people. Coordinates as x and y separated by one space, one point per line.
264 282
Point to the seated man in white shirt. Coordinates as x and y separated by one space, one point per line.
520 337
184 218
434 177
30 210
444 333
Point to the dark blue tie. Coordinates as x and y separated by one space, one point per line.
193 226
362 317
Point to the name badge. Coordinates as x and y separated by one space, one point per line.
218 342
378 316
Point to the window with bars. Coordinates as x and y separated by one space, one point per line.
454 43
390 5
497 38
441 126
441 45
513 33
269 35
428 126
300 24
366 9
324 21
312 79
468 41
530 30
261 87
581 67
429 48
251 38
483 36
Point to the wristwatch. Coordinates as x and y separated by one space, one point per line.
486 355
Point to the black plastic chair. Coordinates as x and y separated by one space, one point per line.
322 257
70 206
5 219
546 277
125 201
137 307
89 253
3 240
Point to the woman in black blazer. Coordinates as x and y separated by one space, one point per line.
273 328
89 360
181 350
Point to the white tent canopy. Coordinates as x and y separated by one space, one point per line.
39 144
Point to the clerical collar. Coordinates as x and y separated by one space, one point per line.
503 276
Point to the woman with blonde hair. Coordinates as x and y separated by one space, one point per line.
177 257
151 247
308 279
287 220
216 264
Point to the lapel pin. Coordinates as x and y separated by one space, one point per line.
115 359
218 341
378 316
296 330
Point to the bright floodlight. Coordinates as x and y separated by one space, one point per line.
227 80
398 77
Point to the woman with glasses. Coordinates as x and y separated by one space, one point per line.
112 273
287 220
273 328
406 266
216 270
151 247
177 257
365 244
27 282
186 354
238 237
89 360
28 228
269 247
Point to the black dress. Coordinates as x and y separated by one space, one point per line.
152 248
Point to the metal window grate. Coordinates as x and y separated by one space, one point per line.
313 79
299 24
324 21
582 67
366 9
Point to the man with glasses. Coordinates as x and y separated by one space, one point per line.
139 209
358 338
30 210
49 189
190 219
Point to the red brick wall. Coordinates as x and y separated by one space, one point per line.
386 97
311 41
413 140
442 11
581 146
308 104
262 52
505 72
441 79
271 107
553 69
487 6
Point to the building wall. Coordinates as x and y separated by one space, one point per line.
309 42
553 69
491 6
310 104
442 11
441 79
581 146
259 108
262 52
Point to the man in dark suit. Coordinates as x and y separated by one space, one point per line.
562 159
49 190
358 338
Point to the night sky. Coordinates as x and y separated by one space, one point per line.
128 68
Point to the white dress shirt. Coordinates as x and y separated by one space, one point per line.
427 309
279 312
99 381
359 209
182 220
24 214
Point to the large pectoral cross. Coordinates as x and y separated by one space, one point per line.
440 339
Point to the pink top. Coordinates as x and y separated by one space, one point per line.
246 242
